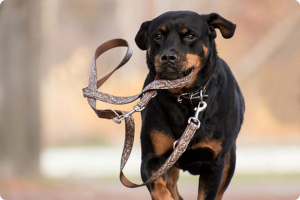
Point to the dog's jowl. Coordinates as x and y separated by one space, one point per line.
177 43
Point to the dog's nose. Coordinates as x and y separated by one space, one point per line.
170 57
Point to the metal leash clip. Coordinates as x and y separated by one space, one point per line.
119 118
201 107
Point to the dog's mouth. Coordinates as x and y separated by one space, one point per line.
171 73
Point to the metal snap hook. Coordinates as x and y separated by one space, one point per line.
118 117
137 108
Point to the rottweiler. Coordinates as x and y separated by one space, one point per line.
177 42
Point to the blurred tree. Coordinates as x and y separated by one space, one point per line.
19 80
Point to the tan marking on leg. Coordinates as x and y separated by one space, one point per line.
214 145
160 191
201 192
161 142
224 177
173 176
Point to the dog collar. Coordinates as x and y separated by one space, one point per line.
194 97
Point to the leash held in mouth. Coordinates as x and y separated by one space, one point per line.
92 94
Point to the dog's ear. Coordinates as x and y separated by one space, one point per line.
226 27
141 37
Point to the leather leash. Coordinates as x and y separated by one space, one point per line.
92 94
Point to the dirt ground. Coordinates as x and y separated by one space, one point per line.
79 189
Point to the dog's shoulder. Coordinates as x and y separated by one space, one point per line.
228 90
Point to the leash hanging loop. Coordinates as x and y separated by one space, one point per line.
149 92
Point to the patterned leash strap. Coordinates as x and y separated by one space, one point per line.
92 94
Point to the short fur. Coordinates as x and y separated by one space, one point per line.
176 43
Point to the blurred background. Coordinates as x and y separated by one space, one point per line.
53 146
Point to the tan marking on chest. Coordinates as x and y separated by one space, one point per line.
161 142
214 145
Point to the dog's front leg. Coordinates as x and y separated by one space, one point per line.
173 176
210 180
158 189
215 179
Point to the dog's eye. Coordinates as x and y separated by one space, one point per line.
190 37
158 37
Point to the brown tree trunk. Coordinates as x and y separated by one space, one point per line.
19 87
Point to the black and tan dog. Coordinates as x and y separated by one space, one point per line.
176 43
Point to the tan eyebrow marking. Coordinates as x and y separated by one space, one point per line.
163 28
184 31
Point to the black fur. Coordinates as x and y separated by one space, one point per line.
222 119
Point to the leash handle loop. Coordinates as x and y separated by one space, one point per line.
91 91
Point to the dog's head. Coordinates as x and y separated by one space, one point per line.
179 41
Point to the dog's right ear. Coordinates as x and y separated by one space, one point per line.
141 37
214 20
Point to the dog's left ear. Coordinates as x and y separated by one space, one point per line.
141 39
226 27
